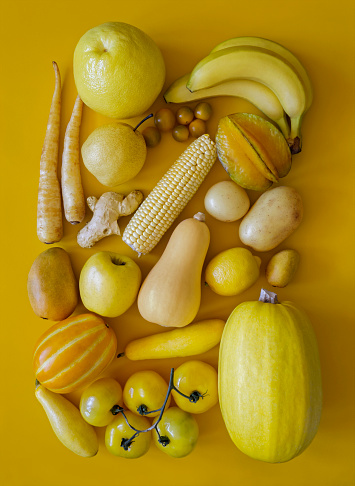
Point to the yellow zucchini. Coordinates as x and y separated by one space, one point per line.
197 338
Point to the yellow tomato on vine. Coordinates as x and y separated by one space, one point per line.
144 393
118 434
98 399
177 433
199 381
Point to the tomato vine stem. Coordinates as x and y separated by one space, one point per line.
163 440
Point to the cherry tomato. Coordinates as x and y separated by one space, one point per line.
197 128
199 381
164 119
98 399
178 433
181 133
203 111
144 392
118 431
184 115
151 136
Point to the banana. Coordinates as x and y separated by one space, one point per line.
256 93
277 49
284 53
261 65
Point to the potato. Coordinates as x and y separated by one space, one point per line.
226 201
274 216
282 267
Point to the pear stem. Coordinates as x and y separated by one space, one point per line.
144 119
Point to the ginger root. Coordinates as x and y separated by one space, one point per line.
106 211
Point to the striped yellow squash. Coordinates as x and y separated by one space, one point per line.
270 387
73 352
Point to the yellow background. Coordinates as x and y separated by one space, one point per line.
321 33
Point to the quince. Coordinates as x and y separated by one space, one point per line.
252 150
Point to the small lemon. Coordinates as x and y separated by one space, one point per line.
232 271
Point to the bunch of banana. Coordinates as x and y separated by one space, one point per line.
259 70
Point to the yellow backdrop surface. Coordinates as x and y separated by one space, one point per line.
321 34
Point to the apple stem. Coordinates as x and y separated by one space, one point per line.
144 119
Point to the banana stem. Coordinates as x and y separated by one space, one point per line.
295 138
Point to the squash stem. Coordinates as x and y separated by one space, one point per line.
268 297
200 217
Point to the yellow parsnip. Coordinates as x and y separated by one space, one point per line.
49 208
72 189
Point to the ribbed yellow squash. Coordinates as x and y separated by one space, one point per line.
270 388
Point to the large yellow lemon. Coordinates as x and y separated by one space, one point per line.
119 70
232 271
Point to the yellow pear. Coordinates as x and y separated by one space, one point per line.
114 153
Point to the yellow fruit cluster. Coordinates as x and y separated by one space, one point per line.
256 153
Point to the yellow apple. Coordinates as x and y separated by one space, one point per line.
119 71
109 283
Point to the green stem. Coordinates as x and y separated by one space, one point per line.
116 409
193 397
163 440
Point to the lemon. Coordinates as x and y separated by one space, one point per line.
114 153
118 69
232 271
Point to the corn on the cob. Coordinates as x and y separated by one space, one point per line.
169 197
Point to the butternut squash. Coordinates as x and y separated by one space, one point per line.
270 388
171 293
197 338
